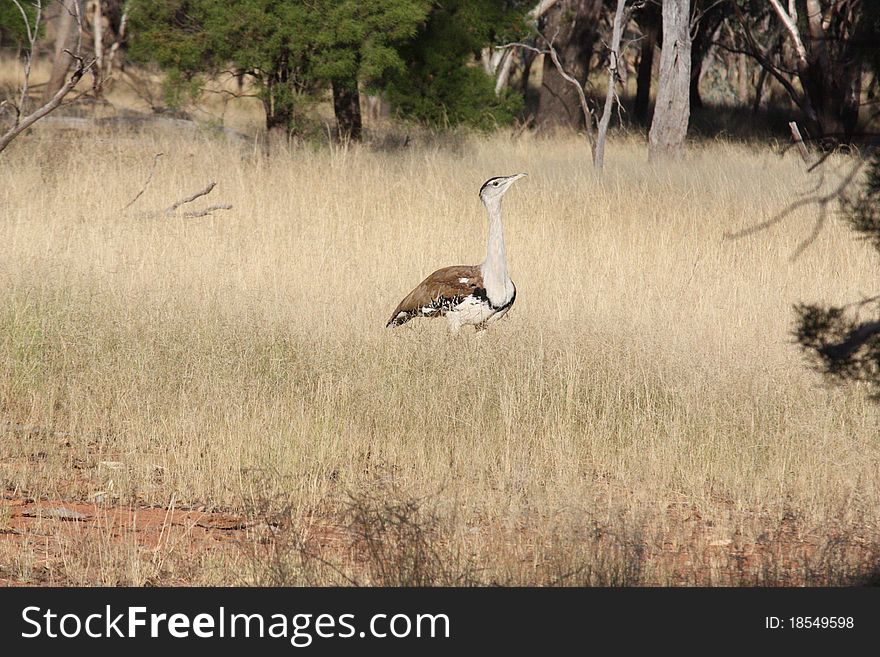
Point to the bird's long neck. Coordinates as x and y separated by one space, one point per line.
494 267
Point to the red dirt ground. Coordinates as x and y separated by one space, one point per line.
64 524
690 550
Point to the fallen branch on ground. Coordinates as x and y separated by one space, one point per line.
172 210
208 210
191 198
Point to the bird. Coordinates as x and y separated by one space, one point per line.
468 294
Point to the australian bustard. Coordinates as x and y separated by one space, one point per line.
468 294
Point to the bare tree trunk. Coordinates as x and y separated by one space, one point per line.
527 58
759 91
375 107
828 71
504 71
614 62
486 61
702 36
66 38
694 87
120 37
279 114
98 34
742 79
672 110
648 23
572 27
347 108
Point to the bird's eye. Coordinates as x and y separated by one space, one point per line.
495 184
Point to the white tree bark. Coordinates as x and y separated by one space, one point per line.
506 65
789 22
98 34
672 108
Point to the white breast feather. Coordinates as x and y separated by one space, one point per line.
472 311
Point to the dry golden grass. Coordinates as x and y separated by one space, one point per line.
641 416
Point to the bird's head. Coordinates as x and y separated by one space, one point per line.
494 188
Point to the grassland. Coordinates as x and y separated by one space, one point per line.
641 416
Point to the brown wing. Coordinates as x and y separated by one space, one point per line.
435 295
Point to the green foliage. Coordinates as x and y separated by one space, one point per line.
359 39
441 84
179 89
423 53
195 36
12 26
264 39
290 48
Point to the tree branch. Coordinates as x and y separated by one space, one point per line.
32 39
801 100
82 68
53 103
554 56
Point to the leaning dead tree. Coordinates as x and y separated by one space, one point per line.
621 18
23 120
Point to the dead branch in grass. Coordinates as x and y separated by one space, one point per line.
149 178
208 210
172 209
799 143
189 199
